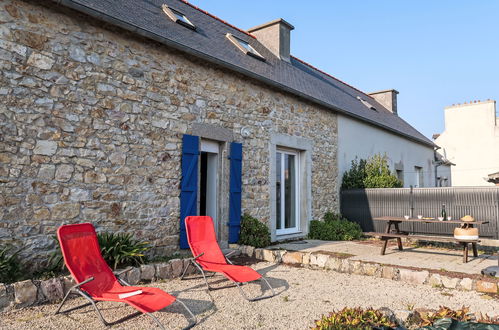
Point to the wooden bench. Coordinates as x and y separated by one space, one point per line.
398 236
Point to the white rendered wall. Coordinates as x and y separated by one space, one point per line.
357 139
471 141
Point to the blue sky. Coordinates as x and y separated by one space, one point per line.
435 53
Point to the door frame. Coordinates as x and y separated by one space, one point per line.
214 148
296 228
304 147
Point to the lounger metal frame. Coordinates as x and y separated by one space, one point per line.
193 262
75 289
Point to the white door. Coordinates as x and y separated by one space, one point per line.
287 192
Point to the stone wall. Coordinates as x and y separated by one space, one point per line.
91 121
34 292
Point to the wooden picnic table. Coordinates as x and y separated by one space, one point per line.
392 231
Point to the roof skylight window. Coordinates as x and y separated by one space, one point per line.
245 47
178 17
367 104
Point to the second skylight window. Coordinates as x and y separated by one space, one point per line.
245 47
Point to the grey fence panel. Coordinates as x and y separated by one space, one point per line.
361 205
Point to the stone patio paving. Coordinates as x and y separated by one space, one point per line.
430 258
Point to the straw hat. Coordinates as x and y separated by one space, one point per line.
467 218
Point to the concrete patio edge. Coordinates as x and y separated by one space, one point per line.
343 264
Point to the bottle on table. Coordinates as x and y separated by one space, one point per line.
444 213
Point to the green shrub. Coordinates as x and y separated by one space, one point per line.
371 173
331 216
118 250
354 318
334 228
10 266
254 232
378 174
354 177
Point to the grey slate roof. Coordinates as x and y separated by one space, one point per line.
146 17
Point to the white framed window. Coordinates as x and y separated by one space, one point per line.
287 188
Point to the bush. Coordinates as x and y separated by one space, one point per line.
373 173
10 266
378 174
354 177
254 232
331 216
354 318
118 250
334 228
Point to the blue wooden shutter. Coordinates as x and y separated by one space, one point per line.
189 183
236 157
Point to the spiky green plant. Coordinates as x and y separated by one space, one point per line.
117 249
121 249
10 266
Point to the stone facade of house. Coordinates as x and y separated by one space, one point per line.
91 126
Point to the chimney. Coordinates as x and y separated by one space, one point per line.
275 36
387 98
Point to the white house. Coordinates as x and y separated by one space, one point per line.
411 156
471 141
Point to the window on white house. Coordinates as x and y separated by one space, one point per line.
400 175
419 176
287 192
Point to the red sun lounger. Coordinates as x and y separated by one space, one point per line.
209 257
96 281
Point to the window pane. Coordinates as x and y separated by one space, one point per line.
180 16
248 47
278 190
245 45
289 191
183 19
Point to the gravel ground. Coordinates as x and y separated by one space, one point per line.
303 296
